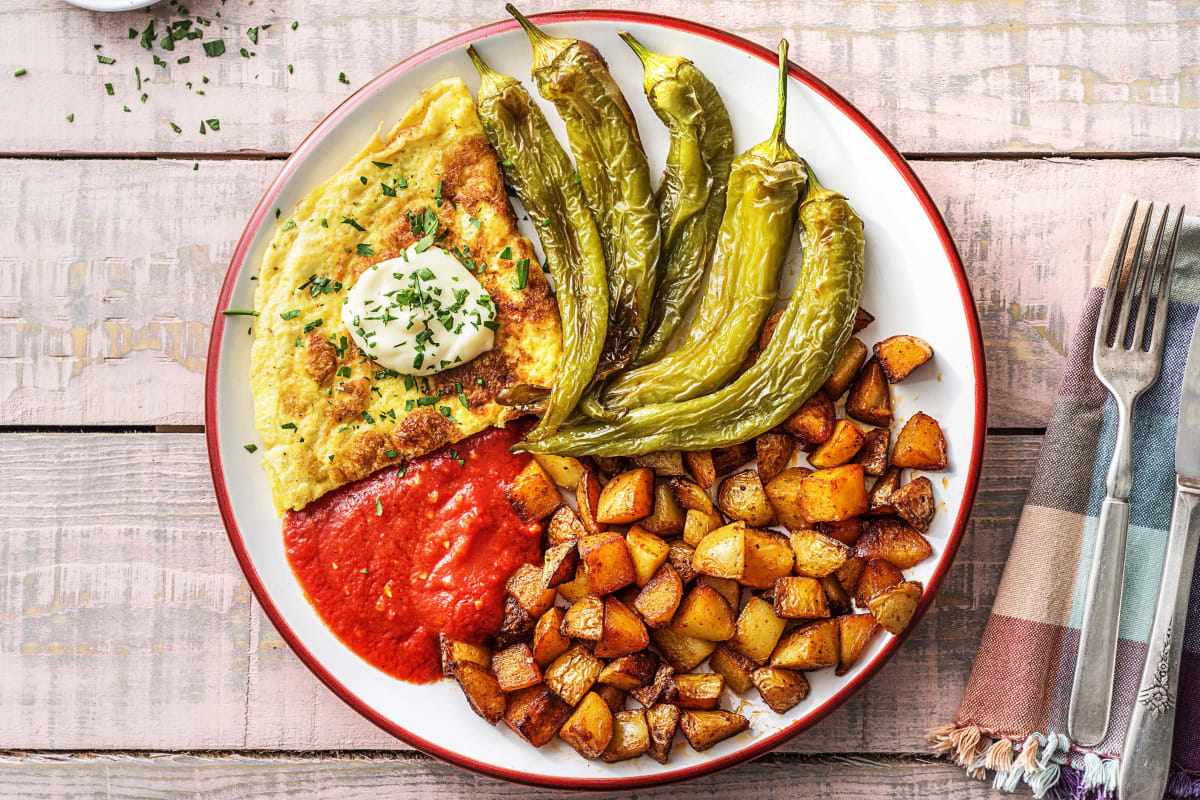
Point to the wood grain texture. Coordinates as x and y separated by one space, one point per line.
127 625
107 290
971 76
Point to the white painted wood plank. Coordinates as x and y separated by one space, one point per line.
970 76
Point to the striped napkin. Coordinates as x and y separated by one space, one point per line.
1011 726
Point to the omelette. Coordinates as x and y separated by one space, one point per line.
327 413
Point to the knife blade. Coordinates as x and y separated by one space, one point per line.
1187 435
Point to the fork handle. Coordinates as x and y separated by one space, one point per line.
1092 689
1146 756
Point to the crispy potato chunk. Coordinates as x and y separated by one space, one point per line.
768 557
572 674
587 498
665 463
559 564
731 590
877 574
590 728
585 619
680 557
627 497
855 632
849 574
575 590
548 642
869 399
893 539
783 493
607 561
630 672
689 495
757 630
727 459
667 518
517 624
683 653
842 445
533 494
741 496
703 729
660 690
648 552
810 646
880 495
862 318
920 444
733 666
799 597
845 368
564 527
699 690
817 555
812 423
454 652
699 464
624 632
772 452
563 470
704 614
781 689
613 697
663 720
914 502
894 608
698 524
630 736
723 552
536 714
830 495
484 693
900 355
526 584
660 597
873 455
515 668
846 531
839 598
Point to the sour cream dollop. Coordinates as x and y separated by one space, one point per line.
420 314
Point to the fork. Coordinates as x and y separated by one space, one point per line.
1126 372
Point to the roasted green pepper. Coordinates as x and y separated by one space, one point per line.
615 178
764 187
691 194
814 327
541 173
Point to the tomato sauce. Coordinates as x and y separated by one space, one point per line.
394 559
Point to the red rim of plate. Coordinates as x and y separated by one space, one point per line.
759 747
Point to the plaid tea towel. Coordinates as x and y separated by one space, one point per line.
1012 722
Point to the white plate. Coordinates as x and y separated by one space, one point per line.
914 284
112 5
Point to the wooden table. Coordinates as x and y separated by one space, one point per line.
134 661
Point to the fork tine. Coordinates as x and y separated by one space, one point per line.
1146 287
1135 271
1104 321
1164 288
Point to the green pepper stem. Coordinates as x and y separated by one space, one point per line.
637 47
481 66
781 98
545 48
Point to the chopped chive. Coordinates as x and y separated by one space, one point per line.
253 34
522 273
295 25
364 249
477 223
213 124
105 59
350 221
506 254
250 448
214 48
176 128
295 312
108 87
390 453
71 117
381 164
287 226
342 78
288 426
184 60
388 191
239 312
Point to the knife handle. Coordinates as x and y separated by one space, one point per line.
1146 756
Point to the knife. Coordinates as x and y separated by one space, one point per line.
1146 756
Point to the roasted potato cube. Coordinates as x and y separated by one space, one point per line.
810 646
855 631
667 518
781 689
483 691
536 714
741 496
665 463
548 642
894 608
624 632
563 470
683 653
699 690
812 423
680 557
783 492
845 368
630 736
606 558
733 666
849 574
830 495
533 494
841 446
559 564
699 464
454 653
846 531
817 555
729 589
648 552
517 624
920 444
660 597
610 465
900 355
627 497
564 527
515 668
862 318
757 630
660 690
527 585
722 552
698 524
663 720
585 619
893 539
613 697
573 673
772 452
575 590
630 672
873 455
839 599
704 614
877 574
869 399
703 729
799 597
727 459
590 728
880 495
914 502
689 495
587 499
768 557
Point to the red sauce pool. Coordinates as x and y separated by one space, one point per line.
392 560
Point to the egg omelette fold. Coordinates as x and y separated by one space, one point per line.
327 414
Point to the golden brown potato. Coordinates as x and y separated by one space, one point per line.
869 399
704 614
536 714
920 444
563 470
665 463
454 652
624 632
757 630
723 552
627 497
573 673
772 452
741 496
517 624
873 455
914 502
845 368
533 494
660 690
894 608
703 729
607 561
799 597
564 527
515 668
698 524
630 736
781 689
849 574
660 597
862 318
587 498
689 495
699 690
855 631
810 646
877 575
613 697
812 423
893 539
727 459
484 693
881 493
842 445
900 355
575 590
630 672
683 653
663 720
527 586
846 531
783 493
831 495
839 599
768 557
648 552
817 555
667 518
585 619
548 642
680 557
699 464
729 589
610 465
559 564
590 728
733 666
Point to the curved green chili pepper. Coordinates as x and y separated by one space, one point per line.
815 325
541 173
691 194
764 187
614 175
